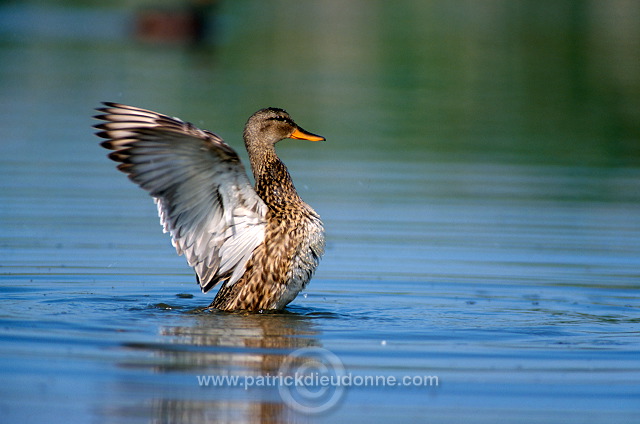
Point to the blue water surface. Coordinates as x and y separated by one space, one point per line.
479 187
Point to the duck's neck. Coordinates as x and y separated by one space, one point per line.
273 182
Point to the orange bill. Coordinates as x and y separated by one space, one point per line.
300 134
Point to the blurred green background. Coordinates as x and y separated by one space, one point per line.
500 80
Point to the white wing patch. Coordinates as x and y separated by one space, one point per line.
204 197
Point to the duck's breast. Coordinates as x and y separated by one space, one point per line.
306 258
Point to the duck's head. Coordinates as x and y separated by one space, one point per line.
270 125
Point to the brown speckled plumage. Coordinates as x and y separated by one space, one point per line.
261 244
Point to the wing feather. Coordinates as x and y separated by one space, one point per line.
204 197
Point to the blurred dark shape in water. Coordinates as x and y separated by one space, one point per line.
190 23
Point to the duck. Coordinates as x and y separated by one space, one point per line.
260 243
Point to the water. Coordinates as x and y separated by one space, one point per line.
479 187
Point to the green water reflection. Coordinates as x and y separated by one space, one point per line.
500 81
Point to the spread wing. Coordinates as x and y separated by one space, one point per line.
204 197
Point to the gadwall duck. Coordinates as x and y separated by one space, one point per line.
262 243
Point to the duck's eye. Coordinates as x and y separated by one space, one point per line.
281 119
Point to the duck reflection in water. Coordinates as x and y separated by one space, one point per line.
229 344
